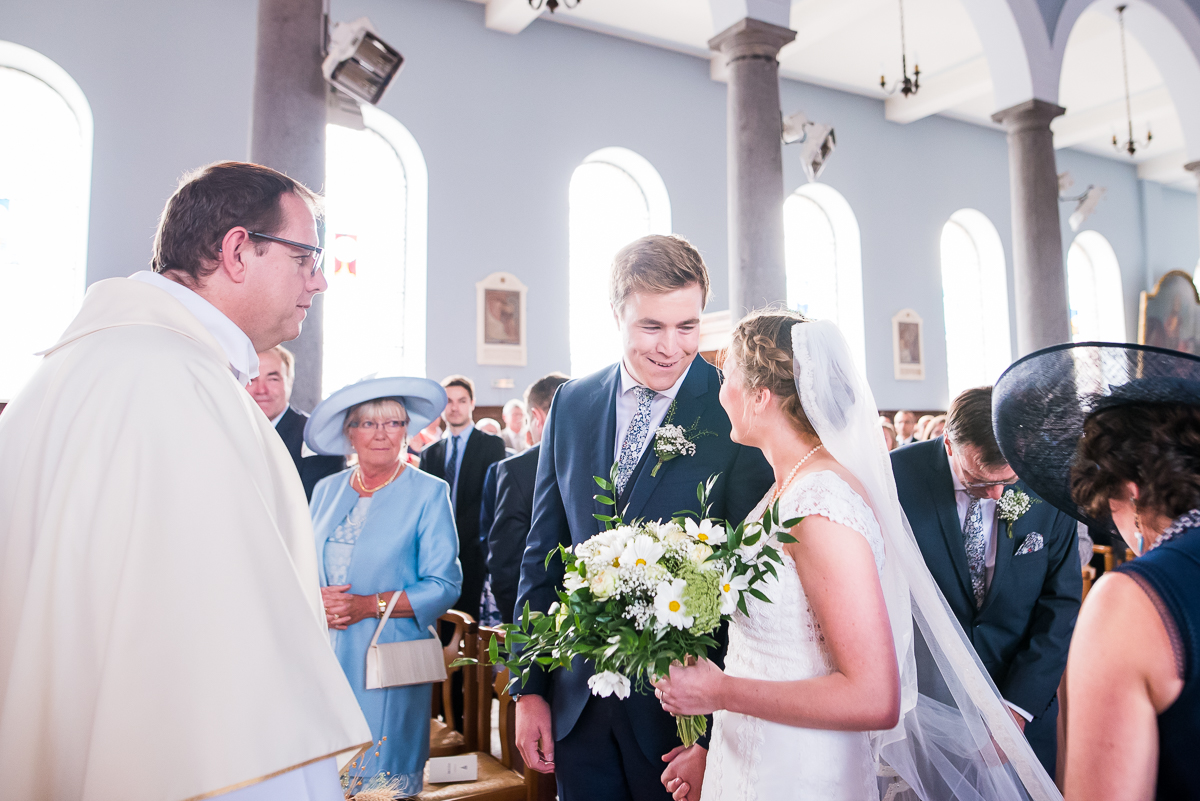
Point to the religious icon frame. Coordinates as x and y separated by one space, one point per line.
501 311
908 346
1174 298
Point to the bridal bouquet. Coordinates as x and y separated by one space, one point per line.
637 597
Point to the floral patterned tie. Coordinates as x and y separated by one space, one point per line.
631 448
973 542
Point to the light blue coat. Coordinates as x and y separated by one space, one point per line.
409 543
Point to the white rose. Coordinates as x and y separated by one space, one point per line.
603 585
700 553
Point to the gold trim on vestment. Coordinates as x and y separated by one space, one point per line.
240 785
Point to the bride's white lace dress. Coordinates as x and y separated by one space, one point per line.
751 758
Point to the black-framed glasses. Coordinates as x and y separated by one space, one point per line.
318 253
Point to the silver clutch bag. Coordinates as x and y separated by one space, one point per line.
399 664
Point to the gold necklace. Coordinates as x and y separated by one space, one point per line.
370 491
788 481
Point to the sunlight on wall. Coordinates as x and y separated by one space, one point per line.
1094 290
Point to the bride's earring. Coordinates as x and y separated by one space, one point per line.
1141 540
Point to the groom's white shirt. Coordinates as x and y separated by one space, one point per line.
988 507
627 407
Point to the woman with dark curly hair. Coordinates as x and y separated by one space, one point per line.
1111 435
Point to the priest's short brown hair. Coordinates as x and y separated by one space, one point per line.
656 264
210 201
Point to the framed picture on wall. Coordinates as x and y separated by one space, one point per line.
500 320
908 346
1170 315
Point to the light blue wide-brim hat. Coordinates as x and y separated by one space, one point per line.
423 399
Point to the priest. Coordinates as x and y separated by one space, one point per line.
162 635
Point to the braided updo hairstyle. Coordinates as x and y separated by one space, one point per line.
762 348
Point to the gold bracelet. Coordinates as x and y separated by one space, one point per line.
382 606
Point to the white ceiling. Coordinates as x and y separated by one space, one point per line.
848 44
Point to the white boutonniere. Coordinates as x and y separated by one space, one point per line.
1012 504
671 441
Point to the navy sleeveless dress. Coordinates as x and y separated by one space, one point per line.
1170 574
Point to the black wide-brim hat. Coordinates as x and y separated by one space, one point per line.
1041 402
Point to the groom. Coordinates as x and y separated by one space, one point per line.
605 749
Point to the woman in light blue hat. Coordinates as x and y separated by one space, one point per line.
381 528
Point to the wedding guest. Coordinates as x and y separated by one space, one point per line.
905 423
1111 435
272 391
1013 584
462 457
515 424
383 529
514 504
936 428
922 426
889 433
489 612
488 426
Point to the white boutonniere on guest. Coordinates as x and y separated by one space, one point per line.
1012 505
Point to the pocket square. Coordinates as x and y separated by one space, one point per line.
1032 543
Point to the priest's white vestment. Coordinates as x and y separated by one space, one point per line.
161 629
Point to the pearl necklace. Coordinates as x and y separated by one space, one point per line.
371 491
788 481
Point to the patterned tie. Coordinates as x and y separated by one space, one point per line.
631 448
452 466
973 542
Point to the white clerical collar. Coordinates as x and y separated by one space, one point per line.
243 360
628 382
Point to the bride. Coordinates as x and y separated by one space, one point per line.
854 681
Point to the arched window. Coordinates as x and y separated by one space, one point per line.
45 182
823 258
376 196
615 197
1094 290
975 301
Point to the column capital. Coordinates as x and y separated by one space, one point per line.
1030 115
749 37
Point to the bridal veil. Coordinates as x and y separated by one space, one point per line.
955 737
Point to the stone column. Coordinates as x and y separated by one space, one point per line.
755 162
1043 317
1194 168
287 133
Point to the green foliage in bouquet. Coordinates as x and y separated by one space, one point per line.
638 597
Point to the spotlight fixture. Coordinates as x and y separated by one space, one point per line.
1086 202
906 86
817 142
360 63
537 5
1130 146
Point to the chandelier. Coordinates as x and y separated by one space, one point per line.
906 85
537 5
1131 145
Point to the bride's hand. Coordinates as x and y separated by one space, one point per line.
691 690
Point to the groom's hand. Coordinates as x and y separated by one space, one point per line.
684 775
535 739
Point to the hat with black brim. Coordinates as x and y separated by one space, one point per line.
1040 405
423 398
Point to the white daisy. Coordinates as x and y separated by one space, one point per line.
668 605
732 588
609 683
708 532
642 551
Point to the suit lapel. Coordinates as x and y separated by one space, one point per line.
434 459
602 407
689 407
942 490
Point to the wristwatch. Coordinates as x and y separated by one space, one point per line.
382 605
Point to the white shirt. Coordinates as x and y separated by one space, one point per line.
988 508
243 360
627 407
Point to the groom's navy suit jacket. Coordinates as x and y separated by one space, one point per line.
1023 631
578 444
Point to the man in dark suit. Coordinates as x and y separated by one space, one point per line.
1014 585
514 501
462 458
272 390
605 749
